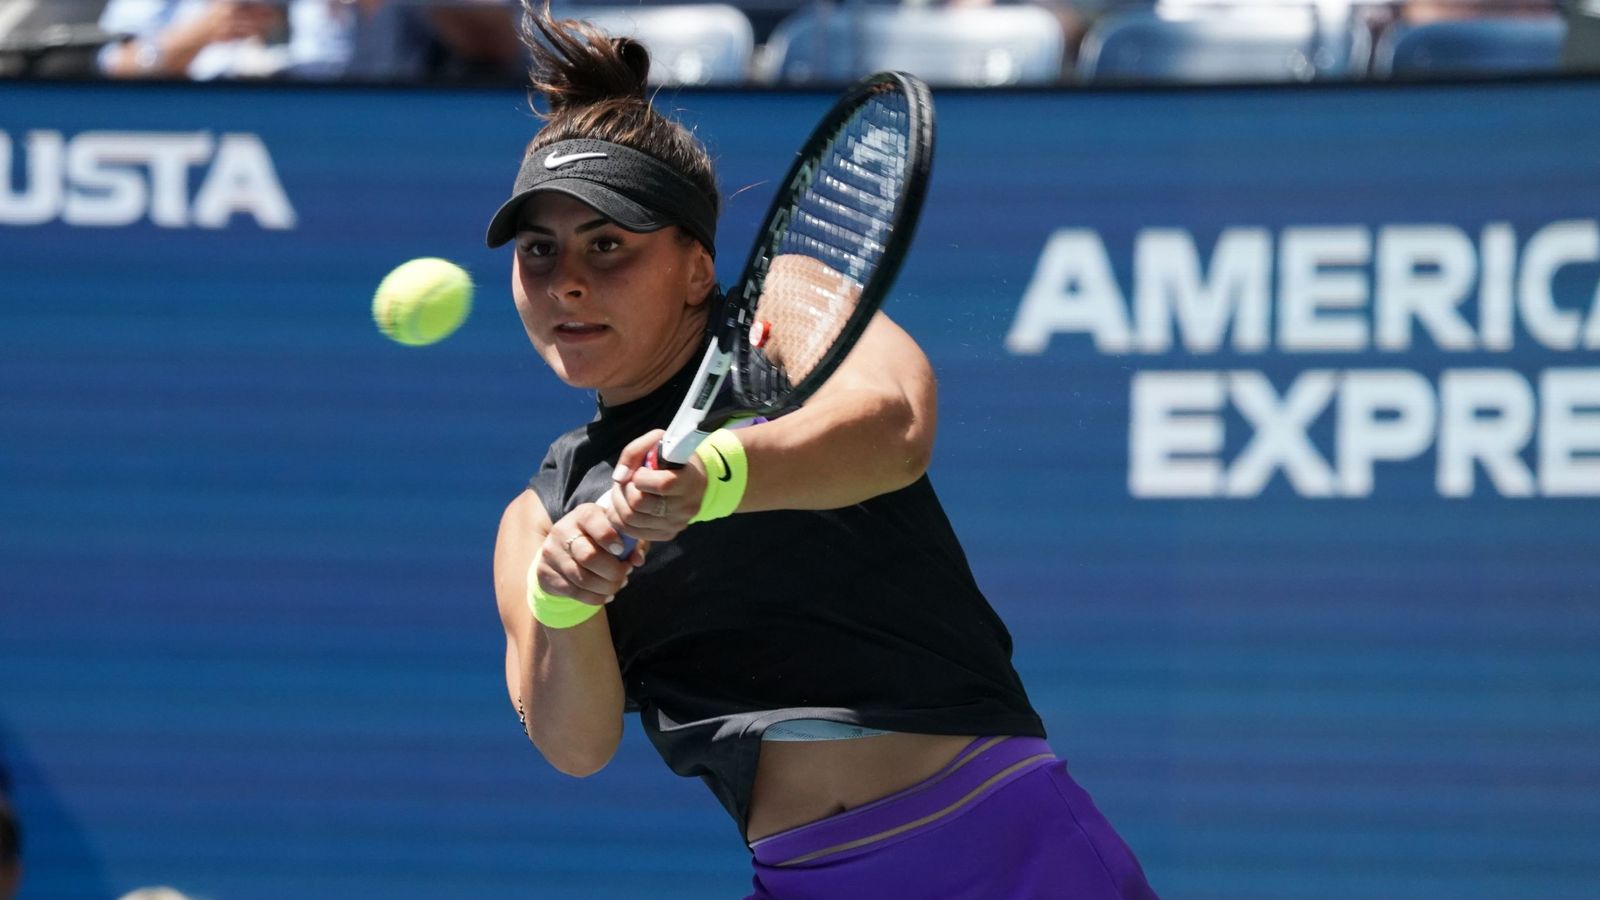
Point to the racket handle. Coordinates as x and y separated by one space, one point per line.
655 461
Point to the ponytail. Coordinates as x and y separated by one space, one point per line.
595 87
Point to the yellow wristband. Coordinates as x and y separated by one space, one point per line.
727 474
556 612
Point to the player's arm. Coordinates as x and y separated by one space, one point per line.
868 431
564 682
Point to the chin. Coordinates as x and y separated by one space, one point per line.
574 373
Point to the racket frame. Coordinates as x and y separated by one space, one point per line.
729 349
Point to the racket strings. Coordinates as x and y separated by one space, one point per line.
837 234
836 237
866 225
806 307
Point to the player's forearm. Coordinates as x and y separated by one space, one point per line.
868 431
572 696
825 459
828 457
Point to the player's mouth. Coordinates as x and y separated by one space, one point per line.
578 331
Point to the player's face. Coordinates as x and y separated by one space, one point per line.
614 310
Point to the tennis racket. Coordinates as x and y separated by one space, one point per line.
822 263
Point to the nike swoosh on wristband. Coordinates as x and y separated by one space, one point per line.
727 471
557 160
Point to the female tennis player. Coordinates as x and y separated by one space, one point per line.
798 625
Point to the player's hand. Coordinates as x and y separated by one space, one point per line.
578 558
655 504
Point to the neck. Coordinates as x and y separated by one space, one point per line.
675 354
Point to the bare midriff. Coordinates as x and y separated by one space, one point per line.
801 782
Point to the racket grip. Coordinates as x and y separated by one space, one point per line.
655 461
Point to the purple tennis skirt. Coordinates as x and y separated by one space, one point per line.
1002 821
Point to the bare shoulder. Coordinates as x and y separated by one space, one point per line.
886 357
523 527
523 518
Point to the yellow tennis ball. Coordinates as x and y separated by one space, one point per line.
422 301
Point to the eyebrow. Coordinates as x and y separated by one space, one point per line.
587 226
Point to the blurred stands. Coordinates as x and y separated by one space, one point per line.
690 43
206 39
49 37
984 46
1502 44
819 42
365 40
1581 52
1226 42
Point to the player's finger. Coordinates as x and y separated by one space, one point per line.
646 504
581 552
654 528
600 551
653 516
670 496
593 566
680 482
596 521
563 578
634 455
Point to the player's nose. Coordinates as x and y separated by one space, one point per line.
569 280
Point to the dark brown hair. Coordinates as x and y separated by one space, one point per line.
594 86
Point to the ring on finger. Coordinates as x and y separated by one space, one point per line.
567 544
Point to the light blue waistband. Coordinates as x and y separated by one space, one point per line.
817 730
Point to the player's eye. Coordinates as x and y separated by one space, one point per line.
537 248
606 244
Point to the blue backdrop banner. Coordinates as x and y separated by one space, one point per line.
1270 418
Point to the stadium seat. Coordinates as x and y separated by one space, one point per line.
709 43
976 46
1498 45
50 37
1247 43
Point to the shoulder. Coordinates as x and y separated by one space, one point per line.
523 521
523 527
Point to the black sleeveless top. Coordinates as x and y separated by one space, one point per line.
867 615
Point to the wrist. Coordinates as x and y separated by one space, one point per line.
727 475
554 611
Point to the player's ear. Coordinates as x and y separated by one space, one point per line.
702 273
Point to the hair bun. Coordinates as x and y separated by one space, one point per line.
576 64
637 59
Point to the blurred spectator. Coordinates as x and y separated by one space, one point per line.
1416 12
1071 15
205 39
367 40
406 40
482 35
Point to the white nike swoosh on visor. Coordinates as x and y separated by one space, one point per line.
557 160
